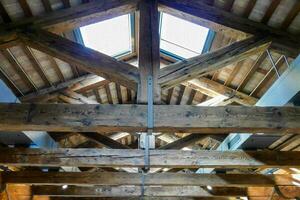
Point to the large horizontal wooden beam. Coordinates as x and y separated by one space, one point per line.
131 118
68 19
283 41
85 58
162 191
191 68
158 158
170 179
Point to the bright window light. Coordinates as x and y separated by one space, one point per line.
182 38
111 37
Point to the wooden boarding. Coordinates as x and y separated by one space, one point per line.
158 158
130 118
163 179
162 191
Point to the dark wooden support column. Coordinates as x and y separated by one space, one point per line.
148 49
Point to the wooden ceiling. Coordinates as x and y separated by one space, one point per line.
38 76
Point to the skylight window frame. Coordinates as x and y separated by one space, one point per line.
206 48
132 30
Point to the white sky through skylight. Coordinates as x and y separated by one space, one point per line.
111 37
182 38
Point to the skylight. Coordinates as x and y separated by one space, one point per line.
111 37
181 38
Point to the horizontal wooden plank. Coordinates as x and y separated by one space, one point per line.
284 42
201 65
130 118
158 158
85 58
162 191
168 179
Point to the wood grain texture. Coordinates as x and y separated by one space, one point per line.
170 179
168 118
203 64
124 157
85 58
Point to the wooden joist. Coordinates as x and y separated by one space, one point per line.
158 158
203 64
133 118
163 191
85 58
283 41
163 179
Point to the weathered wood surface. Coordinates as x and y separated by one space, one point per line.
85 58
130 118
68 19
203 64
283 41
148 55
158 158
170 179
162 191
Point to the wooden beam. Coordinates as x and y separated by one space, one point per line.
283 41
78 98
162 191
148 56
268 14
161 158
68 19
85 58
203 64
171 179
133 118
36 64
25 7
66 3
104 140
249 8
18 68
77 83
183 142
292 15
108 94
214 89
47 6
6 18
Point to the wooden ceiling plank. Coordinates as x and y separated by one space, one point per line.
148 56
119 93
18 68
36 64
171 179
282 41
268 14
47 6
252 70
203 64
191 97
291 16
56 68
129 96
234 72
170 94
25 7
164 191
97 94
132 118
6 18
104 140
85 58
213 89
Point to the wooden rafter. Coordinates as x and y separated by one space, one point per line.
283 42
85 58
104 140
206 63
131 118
